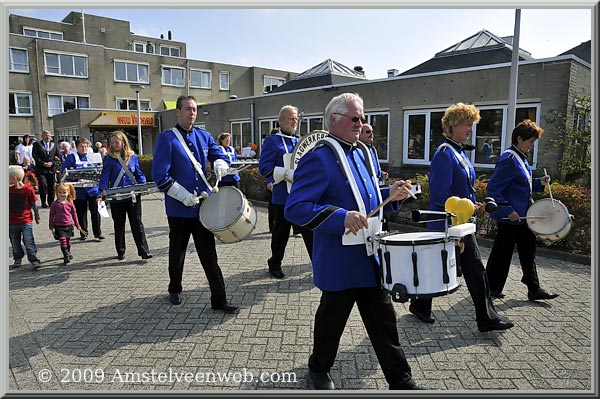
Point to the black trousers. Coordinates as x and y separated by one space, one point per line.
46 183
477 283
180 230
377 313
81 207
132 210
498 263
280 236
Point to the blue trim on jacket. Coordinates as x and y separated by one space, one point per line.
271 155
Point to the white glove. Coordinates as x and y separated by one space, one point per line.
179 192
221 168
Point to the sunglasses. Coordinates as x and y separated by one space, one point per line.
354 119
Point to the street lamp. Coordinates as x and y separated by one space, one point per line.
137 89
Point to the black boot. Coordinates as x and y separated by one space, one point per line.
69 252
65 252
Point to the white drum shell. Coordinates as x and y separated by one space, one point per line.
228 215
556 224
429 263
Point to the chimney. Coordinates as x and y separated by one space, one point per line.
360 70
162 36
169 35
392 72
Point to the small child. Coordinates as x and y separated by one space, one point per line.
62 218
21 199
31 180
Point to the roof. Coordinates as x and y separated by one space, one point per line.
583 51
328 72
482 48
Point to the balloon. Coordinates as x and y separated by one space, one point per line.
464 211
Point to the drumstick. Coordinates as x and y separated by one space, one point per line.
530 217
384 203
549 189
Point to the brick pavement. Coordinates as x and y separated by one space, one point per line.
96 319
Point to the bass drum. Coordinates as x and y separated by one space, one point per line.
549 220
228 215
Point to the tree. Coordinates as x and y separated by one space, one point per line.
573 138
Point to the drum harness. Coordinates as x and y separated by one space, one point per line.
196 164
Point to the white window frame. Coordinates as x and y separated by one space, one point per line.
224 73
170 68
170 48
134 100
280 79
369 115
12 63
427 112
17 94
135 43
38 31
146 64
202 71
73 55
61 95
240 122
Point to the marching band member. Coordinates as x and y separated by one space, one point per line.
511 182
330 203
273 149
85 196
121 168
367 136
179 160
224 141
452 174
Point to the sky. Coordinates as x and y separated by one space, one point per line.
376 39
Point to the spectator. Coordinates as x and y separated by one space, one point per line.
24 150
45 155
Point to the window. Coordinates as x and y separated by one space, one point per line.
66 65
170 50
19 60
131 104
199 78
59 103
308 124
380 121
172 76
131 72
423 134
19 104
272 82
43 34
223 80
141 47
241 135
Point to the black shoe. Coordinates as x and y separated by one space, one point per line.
497 294
17 263
421 316
500 324
100 237
44 205
277 273
147 256
121 256
541 294
321 381
227 308
82 237
175 299
409 385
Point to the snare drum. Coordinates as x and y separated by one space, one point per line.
417 265
228 215
549 219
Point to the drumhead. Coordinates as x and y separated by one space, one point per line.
410 239
553 216
221 209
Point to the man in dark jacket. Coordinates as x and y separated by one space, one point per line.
46 158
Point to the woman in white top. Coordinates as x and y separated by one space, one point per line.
24 150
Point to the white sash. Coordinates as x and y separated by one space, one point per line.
196 164
523 167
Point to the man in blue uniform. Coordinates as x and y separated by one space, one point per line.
177 168
512 183
273 149
334 189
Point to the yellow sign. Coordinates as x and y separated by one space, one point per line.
115 118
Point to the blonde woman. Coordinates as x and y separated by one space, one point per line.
121 168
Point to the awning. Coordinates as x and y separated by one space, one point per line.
115 118
170 104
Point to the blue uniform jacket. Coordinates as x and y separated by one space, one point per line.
230 152
509 183
375 159
271 155
82 193
447 178
319 200
111 168
171 163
